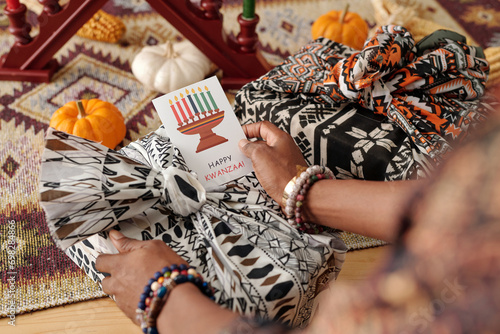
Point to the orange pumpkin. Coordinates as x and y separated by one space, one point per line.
343 27
93 119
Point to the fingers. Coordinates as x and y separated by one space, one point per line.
244 146
265 130
242 143
106 262
107 285
124 244
249 148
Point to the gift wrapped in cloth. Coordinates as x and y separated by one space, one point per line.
391 111
234 234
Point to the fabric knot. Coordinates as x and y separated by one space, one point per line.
358 77
182 192
412 83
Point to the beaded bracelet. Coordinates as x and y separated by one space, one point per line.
159 287
295 194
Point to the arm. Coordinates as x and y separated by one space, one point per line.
370 208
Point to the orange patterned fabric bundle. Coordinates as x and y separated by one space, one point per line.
409 83
391 111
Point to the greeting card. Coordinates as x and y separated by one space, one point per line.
201 123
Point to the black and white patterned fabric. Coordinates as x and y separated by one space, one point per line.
235 234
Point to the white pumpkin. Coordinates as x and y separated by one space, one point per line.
170 66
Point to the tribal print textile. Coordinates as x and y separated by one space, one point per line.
391 111
234 235
441 275
92 69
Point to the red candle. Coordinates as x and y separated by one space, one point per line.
175 113
13 4
186 106
180 108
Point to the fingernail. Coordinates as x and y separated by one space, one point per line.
242 142
114 234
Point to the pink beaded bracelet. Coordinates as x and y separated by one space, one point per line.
295 195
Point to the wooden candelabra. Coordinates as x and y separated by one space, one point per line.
31 58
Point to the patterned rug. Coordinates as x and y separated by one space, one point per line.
37 275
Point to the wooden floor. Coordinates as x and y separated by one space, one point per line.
102 315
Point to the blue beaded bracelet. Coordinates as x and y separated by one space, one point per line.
158 288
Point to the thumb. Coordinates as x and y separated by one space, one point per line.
244 145
122 243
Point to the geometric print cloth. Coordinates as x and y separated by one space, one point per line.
391 111
25 110
238 239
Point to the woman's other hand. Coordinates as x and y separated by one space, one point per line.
274 156
131 269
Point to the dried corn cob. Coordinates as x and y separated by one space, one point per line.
103 27
420 28
406 13
493 57
492 54
394 12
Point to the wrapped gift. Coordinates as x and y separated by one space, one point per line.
234 234
391 111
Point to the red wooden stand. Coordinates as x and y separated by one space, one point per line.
31 59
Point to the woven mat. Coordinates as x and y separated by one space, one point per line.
36 274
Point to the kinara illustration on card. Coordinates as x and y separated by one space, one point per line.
198 117
202 125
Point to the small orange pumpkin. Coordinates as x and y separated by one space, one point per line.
93 119
343 27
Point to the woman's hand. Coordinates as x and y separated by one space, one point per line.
274 158
131 269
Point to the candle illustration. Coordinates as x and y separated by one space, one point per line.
196 125
175 112
179 107
214 105
205 100
202 109
192 102
186 106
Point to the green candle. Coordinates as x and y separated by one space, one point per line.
198 101
248 9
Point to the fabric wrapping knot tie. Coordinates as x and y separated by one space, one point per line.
356 77
236 239
429 89
86 188
182 191
395 77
